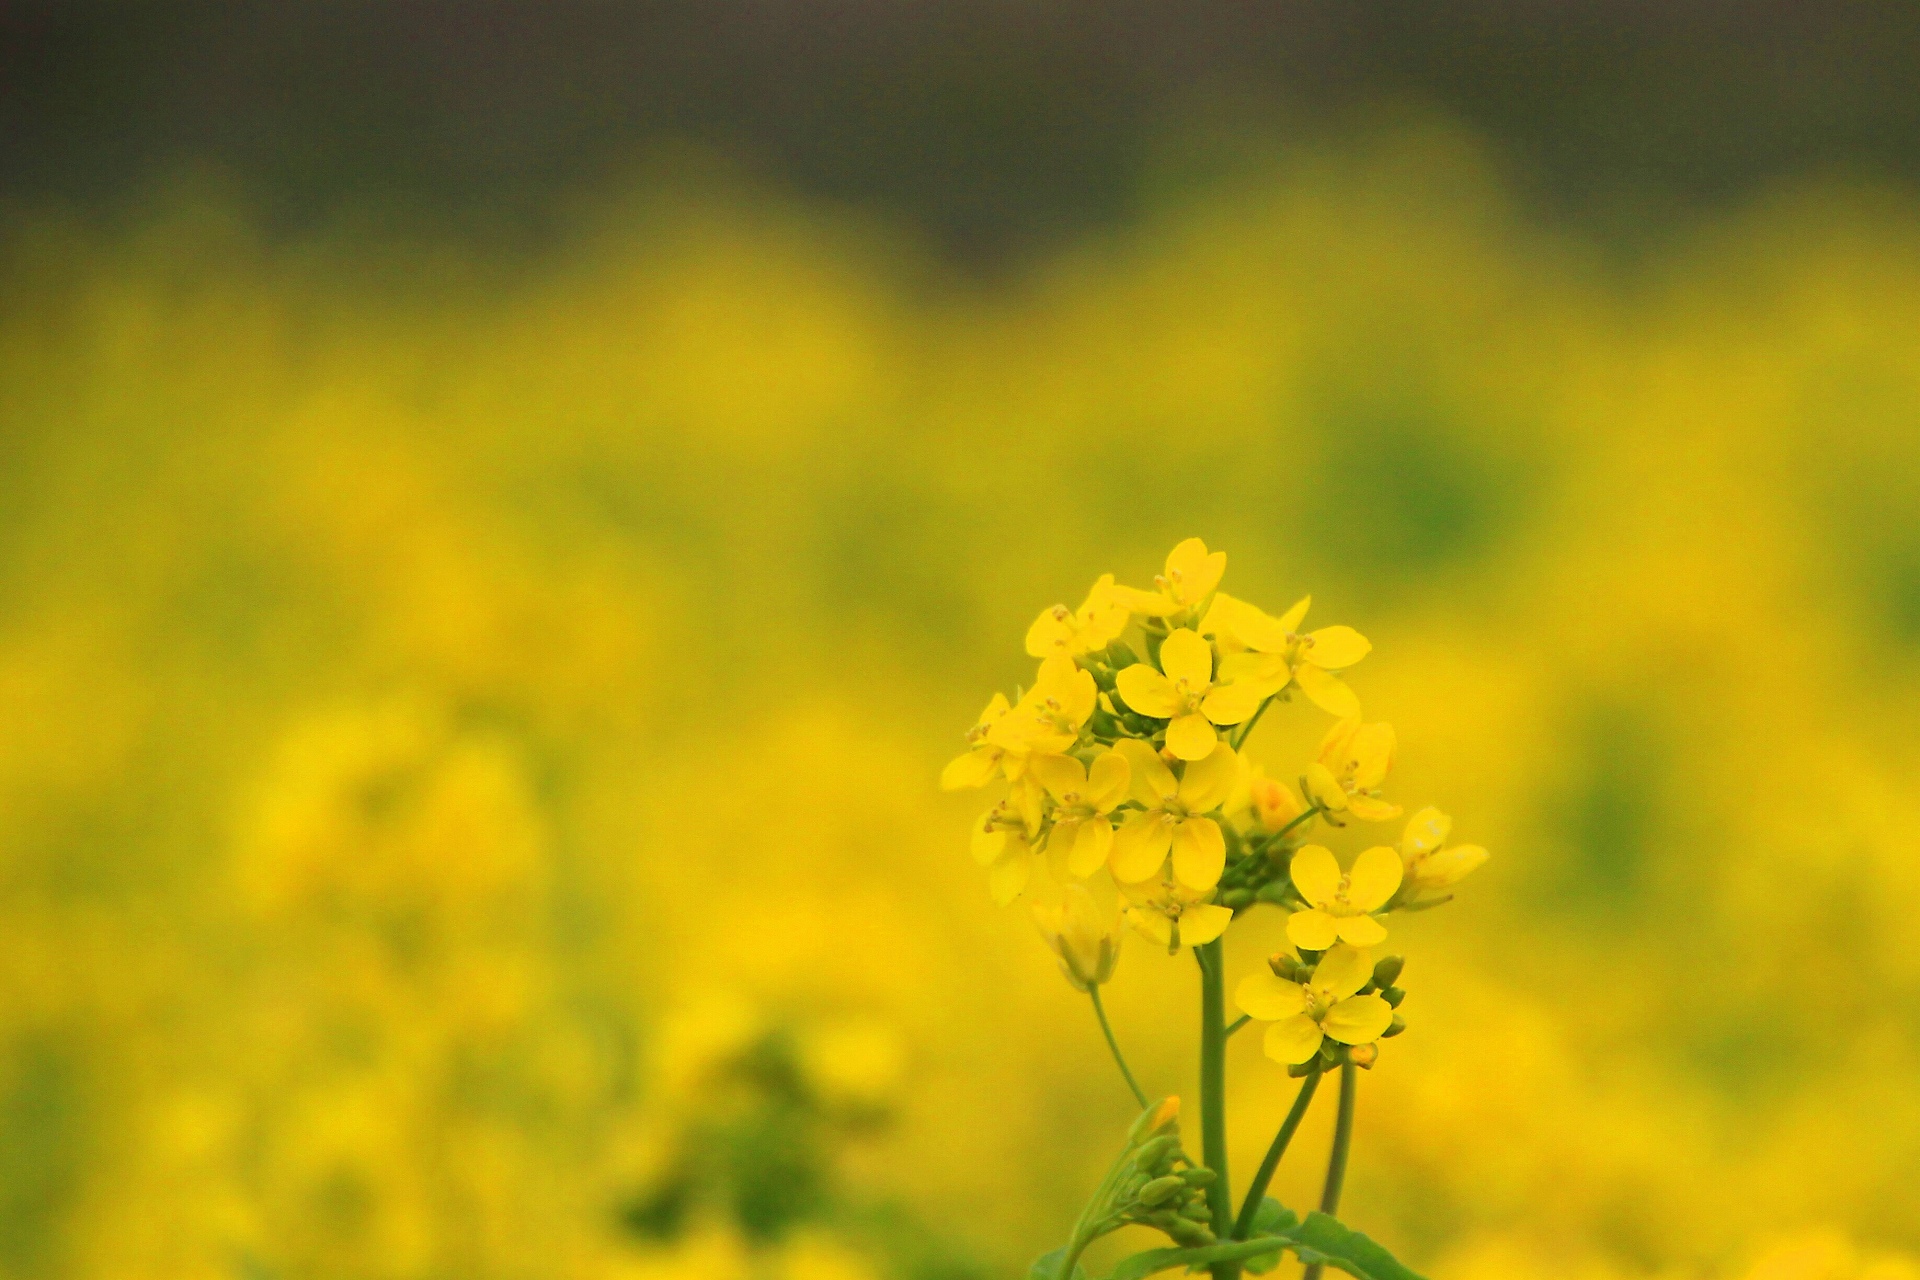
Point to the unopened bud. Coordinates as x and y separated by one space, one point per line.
1387 971
1161 1190
1394 1028
1284 966
1393 996
1120 657
1363 1055
1198 1177
1153 1151
1237 899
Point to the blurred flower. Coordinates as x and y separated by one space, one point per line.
1352 763
1186 695
853 1064
1191 574
1097 623
981 764
1082 800
1084 935
1173 816
1324 1005
1003 843
1428 865
1340 903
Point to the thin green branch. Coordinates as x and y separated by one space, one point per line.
1337 1158
1238 1023
1246 729
1213 1094
1251 1205
1119 1060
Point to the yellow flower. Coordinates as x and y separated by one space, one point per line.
1428 865
1304 1013
1003 844
1353 761
1097 623
981 764
1308 660
1174 915
1272 801
1185 693
1047 719
1082 800
1339 904
1192 574
1084 935
1173 817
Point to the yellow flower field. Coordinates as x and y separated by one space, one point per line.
471 730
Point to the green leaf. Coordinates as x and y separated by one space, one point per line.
1324 1239
1047 1265
1271 1219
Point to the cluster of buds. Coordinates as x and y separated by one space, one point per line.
1153 1183
1131 800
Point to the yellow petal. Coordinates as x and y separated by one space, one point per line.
1324 789
1376 874
1336 647
1185 656
1107 781
1148 691
1267 672
1361 931
1313 930
1199 853
1140 847
1062 776
1091 844
1151 924
1149 779
1192 573
988 842
1292 1040
974 769
1316 874
1029 799
1371 754
1205 784
1450 866
1335 747
1358 1019
1232 703
1426 831
1268 996
1202 924
1343 971
1050 633
1150 604
1295 615
1008 876
1372 809
1191 737
1328 691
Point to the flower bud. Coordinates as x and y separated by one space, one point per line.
1363 1055
1120 657
1387 971
1274 801
1284 966
1085 937
1446 867
1394 1028
1199 1176
1393 996
1237 899
1161 1190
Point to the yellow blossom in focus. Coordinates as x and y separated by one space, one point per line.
1191 575
1428 864
1082 834
1310 660
981 764
1003 844
1084 935
1173 915
1097 623
1173 817
1048 717
1352 762
1325 1005
1340 903
1186 694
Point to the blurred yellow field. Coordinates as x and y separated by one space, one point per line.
470 733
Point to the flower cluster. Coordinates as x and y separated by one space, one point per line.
1125 765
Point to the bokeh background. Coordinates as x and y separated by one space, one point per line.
505 509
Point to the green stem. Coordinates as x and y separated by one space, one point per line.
1247 728
1100 1012
1311 813
1213 1094
1337 1159
1251 1205
1238 1023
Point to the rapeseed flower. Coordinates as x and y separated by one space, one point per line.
1352 762
1185 693
1063 632
1428 864
981 764
1003 843
1082 933
1173 816
1325 1006
1310 660
1172 914
1340 904
1192 573
1048 717
1082 834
